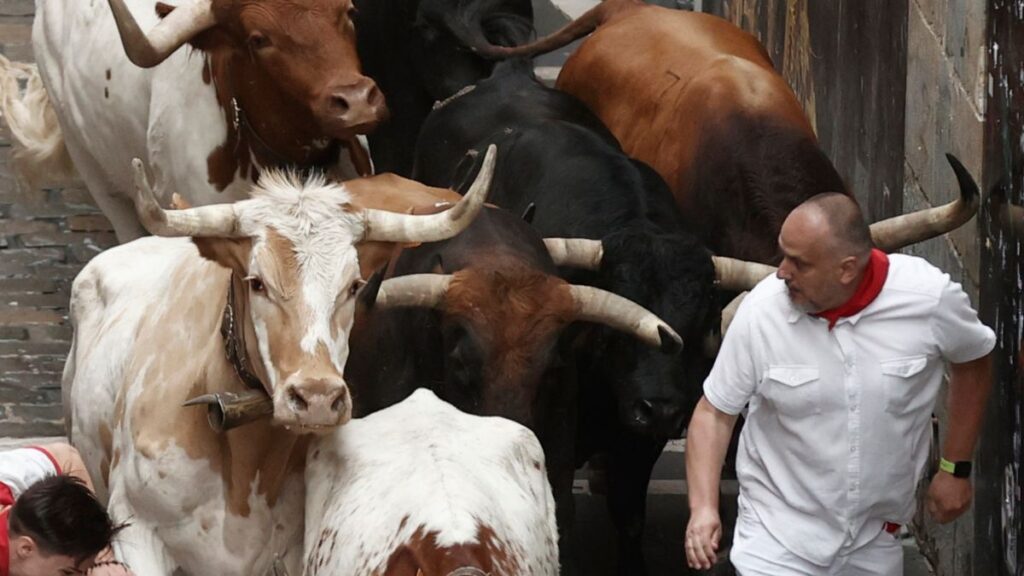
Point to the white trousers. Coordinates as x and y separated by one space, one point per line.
755 552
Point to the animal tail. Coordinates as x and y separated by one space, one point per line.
39 155
578 28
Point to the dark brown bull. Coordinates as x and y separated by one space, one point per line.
485 322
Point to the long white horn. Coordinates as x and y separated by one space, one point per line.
894 233
421 290
386 226
218 220
739 275
729 312
177 28
603 307
575 252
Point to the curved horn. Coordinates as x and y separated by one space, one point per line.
575 252
386 226
739 275
895 233
216 220
729 312
177 28
603 307
421 290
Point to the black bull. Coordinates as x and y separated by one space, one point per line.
557 156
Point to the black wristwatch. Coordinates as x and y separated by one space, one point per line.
960 469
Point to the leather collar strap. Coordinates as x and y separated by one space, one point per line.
260 147
234 342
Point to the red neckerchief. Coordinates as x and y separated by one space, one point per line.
870 286
6 500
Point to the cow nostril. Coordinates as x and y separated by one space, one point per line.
376 97
642 412
296 400
339 104
339 402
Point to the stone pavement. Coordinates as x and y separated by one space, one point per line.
45 239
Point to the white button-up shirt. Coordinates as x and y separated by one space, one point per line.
837 430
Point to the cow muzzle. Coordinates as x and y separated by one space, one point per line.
661 418
352 108
309 405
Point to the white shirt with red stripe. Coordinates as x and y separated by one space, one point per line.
20 469
838 425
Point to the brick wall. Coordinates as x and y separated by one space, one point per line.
45 239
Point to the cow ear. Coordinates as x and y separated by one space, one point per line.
231 253
206 40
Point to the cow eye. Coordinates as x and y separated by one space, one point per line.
258 41
256 284
355 287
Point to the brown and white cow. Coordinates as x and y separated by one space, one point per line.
150 318
260 84
422 489
698 100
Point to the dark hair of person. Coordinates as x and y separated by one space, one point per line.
63 517
845 219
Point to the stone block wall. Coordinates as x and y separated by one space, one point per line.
45 239
945 113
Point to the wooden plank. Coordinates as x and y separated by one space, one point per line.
998 546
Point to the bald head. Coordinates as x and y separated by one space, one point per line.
841 221
826 246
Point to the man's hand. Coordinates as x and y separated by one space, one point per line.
948 497
702 536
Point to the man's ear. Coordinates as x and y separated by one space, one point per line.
849 268
231 253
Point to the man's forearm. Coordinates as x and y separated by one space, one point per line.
707 440
969 386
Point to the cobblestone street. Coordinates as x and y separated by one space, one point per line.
45 239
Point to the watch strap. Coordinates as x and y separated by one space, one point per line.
957 469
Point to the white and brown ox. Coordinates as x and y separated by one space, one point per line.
422 489
148 318
265 84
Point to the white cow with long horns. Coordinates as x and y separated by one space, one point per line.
252 298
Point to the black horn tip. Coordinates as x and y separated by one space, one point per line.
969 190
670 342
529 213
368 295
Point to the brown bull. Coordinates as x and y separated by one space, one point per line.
698 100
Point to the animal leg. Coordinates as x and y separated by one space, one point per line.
138 545
632 460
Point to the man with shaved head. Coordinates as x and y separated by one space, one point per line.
837 361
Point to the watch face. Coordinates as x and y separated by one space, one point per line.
962 470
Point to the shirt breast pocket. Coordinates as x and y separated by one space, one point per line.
901 384
794 389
